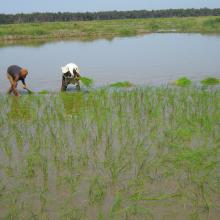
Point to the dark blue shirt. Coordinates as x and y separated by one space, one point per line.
15 72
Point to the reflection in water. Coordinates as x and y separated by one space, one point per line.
41 42
72 102
19 108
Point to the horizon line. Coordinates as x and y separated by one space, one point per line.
55 12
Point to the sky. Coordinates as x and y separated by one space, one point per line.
27 6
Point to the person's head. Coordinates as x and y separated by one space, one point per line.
24 72
64 69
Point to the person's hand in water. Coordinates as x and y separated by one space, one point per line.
26 88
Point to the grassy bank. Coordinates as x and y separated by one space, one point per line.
144 153
108 29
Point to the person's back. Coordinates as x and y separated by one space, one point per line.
14 71
72 68
14 74
70 75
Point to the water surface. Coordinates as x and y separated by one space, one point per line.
148 59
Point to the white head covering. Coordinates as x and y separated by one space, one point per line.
64 69
70 68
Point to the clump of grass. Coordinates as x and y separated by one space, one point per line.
86 81
183 82
44 92
210 81
125 84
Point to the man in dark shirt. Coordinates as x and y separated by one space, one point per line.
14 74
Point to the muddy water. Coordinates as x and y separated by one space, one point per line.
148 59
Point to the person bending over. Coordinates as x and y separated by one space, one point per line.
16 73
70 75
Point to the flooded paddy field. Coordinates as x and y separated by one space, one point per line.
141 153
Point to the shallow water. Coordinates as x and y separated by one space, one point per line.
148 59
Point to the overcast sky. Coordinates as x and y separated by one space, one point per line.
26 6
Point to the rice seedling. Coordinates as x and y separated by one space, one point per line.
115 206
96 191
74 213
142 153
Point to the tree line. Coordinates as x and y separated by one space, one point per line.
106 15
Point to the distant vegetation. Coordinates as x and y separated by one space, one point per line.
88 30
109 15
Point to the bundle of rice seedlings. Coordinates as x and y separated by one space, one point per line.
183 82
86 81
125 84
210 81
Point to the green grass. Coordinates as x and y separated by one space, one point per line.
142 153
108 29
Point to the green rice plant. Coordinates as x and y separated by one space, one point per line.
43 200
198 166
125 84
210 81
33 160
101 216
97 190
86 81
2 188
136 211
116 206
139 197
72 182
8 151
9 171
110 153
73 213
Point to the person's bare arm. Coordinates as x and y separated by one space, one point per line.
25 86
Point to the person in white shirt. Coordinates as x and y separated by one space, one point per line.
70 75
